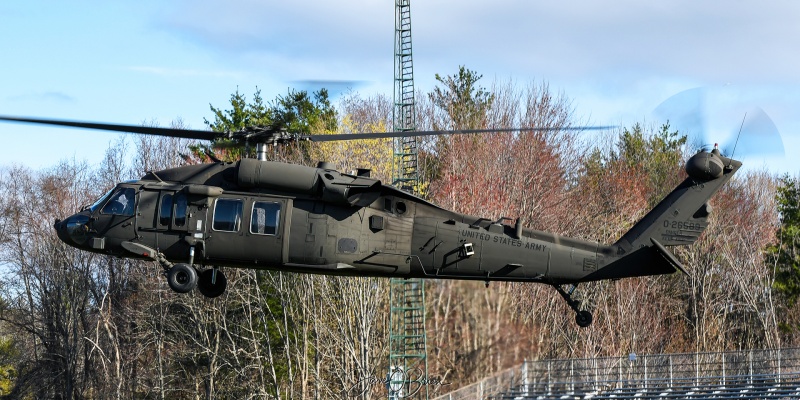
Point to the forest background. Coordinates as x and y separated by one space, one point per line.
83 325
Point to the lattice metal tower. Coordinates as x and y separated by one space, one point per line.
408 362
404 169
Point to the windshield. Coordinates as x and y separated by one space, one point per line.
121 202
100 201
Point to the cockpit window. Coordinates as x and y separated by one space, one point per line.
99 202
121 202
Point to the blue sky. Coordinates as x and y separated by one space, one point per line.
129 62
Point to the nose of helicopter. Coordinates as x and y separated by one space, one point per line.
60 231
73 230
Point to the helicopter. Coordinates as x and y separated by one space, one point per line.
254 213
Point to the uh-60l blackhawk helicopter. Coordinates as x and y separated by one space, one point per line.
271 215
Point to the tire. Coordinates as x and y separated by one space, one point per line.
583 319
182 278
209 289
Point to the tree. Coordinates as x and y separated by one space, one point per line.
46 289
242 114
785 254
463 102
657 156
156 153
498 175
83 325
297 112
360 115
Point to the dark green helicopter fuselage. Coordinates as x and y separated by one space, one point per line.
270 215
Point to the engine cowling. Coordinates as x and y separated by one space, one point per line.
328 184
295 178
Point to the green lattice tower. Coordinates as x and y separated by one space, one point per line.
404 168
408 363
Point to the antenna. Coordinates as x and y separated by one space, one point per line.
737 137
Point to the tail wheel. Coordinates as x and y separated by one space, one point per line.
212 286
182 278
583 318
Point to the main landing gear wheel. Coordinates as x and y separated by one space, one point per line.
182 278
210 285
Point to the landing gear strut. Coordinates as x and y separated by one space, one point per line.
182 278
212 283
582 317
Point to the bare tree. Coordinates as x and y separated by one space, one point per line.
47 283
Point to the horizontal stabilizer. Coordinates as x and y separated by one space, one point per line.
668 256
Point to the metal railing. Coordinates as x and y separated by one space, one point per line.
491 386
661 370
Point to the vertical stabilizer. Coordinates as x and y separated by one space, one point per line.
682 215
679 219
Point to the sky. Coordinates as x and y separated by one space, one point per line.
704 65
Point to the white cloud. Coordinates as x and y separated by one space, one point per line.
616 60
48 96
192 73
742 41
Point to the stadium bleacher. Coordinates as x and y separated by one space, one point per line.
750 387
748 374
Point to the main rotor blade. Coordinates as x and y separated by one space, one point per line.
396 134
147 130
275 136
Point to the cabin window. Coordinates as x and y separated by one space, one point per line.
121 202
165 211
227 215
265 218
400 208
172 205
180 206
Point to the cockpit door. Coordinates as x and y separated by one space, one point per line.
170 223
114 221
146 213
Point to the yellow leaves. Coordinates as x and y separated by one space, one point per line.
8 374
348 155
422 189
